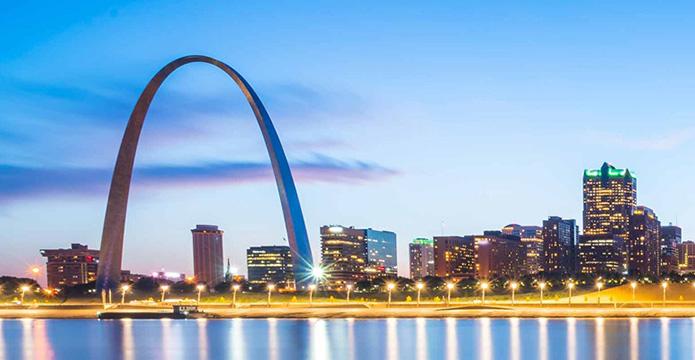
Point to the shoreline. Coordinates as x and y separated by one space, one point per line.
364 311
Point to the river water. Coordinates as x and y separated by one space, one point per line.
349 339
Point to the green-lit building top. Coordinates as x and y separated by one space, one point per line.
423 241
608 171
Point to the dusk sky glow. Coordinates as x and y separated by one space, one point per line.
413 117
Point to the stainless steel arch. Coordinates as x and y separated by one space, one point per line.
109 270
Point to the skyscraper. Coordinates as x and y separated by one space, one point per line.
643 247
532 239
208 260
454 256
74 266
343 255
670 238
270 265
559 245
610 195
382 258
421 258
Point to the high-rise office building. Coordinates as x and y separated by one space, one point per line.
421 258
454 257
601 254
670 238
498 255
382 259
643 246
610 195
270 265
208 259
559 245
343 255
67 267
532 239
686 257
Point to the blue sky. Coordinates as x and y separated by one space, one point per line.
397 115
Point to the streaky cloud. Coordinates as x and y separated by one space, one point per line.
24 182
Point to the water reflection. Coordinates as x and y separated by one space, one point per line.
485 339
319 340
127 345
451 341
514 339
422 338
571 338
665 339
543 338
273 339
600 342
634 338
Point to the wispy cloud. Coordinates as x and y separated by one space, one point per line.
17 182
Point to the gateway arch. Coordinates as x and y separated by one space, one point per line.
111 253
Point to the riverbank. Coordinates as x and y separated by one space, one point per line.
372 311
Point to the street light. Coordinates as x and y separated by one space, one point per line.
124 290
664 285
514 285
24 289
271 287
163 289
348 287
235 288
570 286
449 286
200 288
633 285
483 286
390 287
312 287
599 286
419 287
541 286
35 271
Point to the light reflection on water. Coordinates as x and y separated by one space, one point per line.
349 339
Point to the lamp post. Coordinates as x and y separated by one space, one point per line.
348 287
390 287
541 286
664 285
570 286
24 289
235 288
449 286
419 287
312 287
124 290
633 285
514 285
599 286
35 271
200 288
271 287
163 289
483 286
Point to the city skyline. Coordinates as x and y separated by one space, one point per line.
377 139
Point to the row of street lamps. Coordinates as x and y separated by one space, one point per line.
484 286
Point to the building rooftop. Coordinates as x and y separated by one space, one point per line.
608 171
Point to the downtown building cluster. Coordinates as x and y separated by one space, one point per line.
619 237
